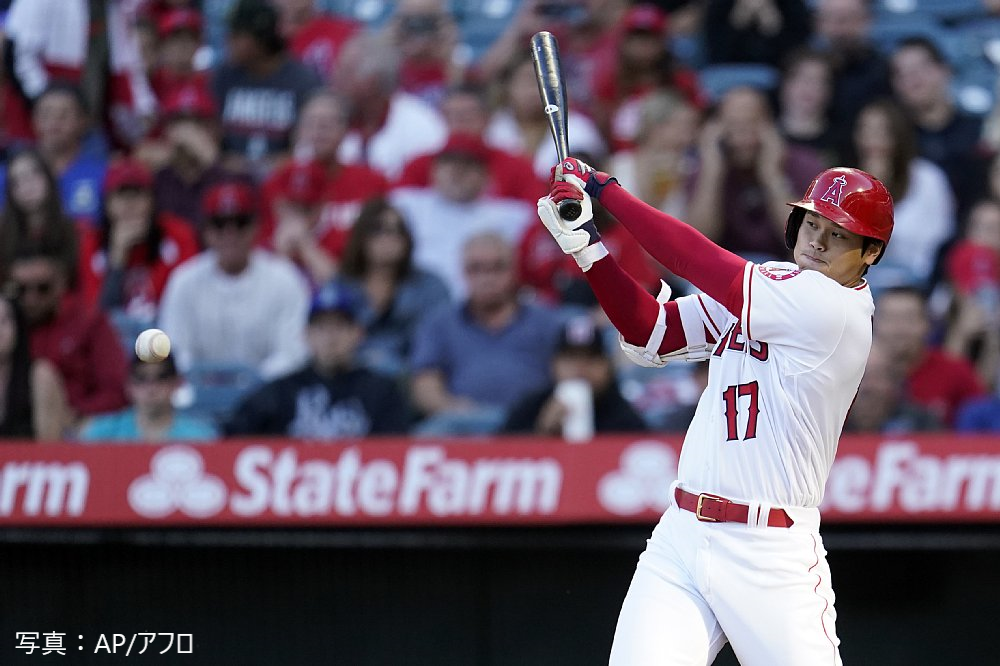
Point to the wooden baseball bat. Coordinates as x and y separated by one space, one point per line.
548 72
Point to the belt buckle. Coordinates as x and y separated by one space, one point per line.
697 511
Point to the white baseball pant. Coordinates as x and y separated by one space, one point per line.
764 589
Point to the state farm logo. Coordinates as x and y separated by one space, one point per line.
177 481
642 481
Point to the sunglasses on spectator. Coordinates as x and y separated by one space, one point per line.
140 378
239 221
386 228
41 288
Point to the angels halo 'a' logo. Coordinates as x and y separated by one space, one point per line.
835 192
642 480
551 108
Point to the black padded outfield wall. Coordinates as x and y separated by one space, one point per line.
464 597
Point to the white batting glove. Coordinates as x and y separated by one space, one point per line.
578 238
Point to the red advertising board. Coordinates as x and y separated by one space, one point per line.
501 481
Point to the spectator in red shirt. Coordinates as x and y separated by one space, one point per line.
75 337
345 187
973 269
24 382
934 379
314 38
466 112
426 36
180 36
126 261
637 62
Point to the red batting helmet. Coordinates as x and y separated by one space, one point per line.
855 200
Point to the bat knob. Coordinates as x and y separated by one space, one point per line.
570 209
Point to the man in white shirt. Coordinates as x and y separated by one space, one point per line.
455 208
235 303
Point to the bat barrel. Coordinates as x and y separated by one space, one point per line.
548 72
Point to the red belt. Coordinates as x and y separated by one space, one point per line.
714 509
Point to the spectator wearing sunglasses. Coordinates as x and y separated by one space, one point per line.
76 338
234 303
151 416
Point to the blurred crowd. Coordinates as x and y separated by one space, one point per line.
328 205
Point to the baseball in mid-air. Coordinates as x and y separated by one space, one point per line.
152 345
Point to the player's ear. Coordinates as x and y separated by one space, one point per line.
872 249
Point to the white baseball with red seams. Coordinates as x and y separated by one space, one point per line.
152 345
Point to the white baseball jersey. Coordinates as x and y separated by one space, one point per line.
782 377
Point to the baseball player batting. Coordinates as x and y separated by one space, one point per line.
738 556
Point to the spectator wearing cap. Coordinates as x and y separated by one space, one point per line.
331 397
76 338
473 361
745 177
387 127
261 89
456 207
193 163
234 303
126 261
297 214
179 36
466 111
636 63
314 37
580 356
316 177
151 416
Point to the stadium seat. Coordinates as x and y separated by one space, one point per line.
213 390
890 30
373 13
128 328
975 88
945 11
481 22
715 80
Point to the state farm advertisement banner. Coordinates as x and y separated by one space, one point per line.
503 481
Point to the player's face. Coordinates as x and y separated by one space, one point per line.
827 247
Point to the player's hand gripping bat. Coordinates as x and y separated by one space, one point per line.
545 53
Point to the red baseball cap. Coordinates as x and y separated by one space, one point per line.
971 267
175 20
303 183
190 100
228 199
127 172
468 146
645 18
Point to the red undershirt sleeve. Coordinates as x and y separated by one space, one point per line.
680 248
631 308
